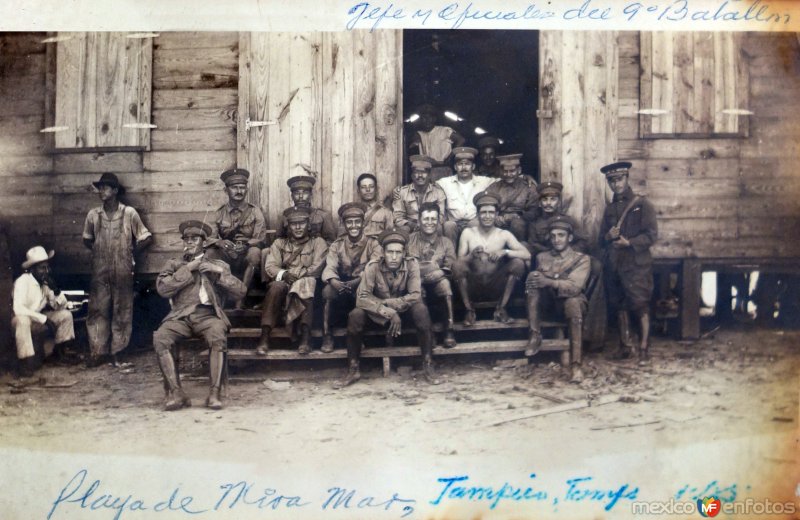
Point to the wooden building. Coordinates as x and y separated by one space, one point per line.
706 118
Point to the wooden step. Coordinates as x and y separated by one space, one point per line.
475 347
255 332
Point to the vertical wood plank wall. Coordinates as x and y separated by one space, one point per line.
578 84
25 166
723 197
334 99
195 79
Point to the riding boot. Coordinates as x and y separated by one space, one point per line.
469 316
500 313
535 338
428 372
449 337
263 342
247 280
644 323
353 375
576 344
304 347
625 344
175 397
327 337
216 361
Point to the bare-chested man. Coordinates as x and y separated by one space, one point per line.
489 258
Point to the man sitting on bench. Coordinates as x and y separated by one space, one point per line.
559 280
347 257
488 258
293 264
390 288
436 255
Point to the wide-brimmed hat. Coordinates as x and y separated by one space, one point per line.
109 179
36 255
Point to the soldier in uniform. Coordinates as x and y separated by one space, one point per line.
347 257
196 287
293 264
460 190
488 165
320 221
628 230
434 141
516 196
436 256
538 216
239 228
390 291
407 199
559 281
488 258
378 217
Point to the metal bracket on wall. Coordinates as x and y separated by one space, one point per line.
251 124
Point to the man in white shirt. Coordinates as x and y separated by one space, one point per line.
39 310
460 189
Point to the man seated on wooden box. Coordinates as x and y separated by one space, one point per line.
436 255
320 221
390 291
197 288
347 257
516 193
293 265
239 228
407 199
40 312
558 282
489 258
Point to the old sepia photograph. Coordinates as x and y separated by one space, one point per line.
412 273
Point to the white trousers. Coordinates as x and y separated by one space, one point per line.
25 327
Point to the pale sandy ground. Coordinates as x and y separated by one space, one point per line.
735 392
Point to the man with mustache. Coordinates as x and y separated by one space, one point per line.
293 265
240 229
40 311
197 288
549 206
347 257
517 195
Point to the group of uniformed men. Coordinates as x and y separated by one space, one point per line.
381 265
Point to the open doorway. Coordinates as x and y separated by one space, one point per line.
488 80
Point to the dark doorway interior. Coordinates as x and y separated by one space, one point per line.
488 78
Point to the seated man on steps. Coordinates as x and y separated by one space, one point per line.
436 255
320 221
197 288
488 258
240 230
559 280
347 257
293 264
389 288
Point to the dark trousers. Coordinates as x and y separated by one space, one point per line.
274 308
202 322
417 314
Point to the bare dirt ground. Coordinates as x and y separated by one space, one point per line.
733 384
